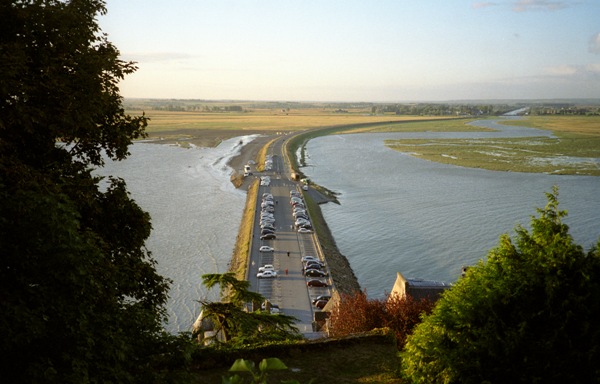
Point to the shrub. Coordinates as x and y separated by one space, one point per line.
356 313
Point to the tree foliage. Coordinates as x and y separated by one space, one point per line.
80 298
527 315
232 319
357 313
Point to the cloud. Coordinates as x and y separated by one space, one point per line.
594 46
561 70
572 71
484 4
539 5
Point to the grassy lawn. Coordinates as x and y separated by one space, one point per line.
573 151
364 362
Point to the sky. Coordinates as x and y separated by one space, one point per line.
357 51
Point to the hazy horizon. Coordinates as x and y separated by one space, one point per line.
358 51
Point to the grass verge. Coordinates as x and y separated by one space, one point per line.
241 250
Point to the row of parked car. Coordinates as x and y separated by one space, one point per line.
265 181
314 270
301 220
267 217
269 162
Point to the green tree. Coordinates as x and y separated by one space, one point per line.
80 299
235 322
528 315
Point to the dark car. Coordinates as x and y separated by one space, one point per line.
268 236
309 267
321 304
316 283
321 297
316 265
315 273
267 231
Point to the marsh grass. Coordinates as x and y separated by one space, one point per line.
582 125
575 149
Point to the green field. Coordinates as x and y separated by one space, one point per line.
574 151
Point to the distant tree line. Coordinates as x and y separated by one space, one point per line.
434 109
564 109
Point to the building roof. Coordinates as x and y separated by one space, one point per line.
419 288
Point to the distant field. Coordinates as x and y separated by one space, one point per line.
575 150
262 120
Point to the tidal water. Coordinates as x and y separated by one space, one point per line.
397 213
427 220
195 212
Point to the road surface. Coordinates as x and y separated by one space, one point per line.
289 290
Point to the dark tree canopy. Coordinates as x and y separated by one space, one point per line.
80 298
528 315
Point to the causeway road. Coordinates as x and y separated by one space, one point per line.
289 289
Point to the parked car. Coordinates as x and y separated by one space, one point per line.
266 248
301 222
266 267
306 271
308 257
274 307
266 274
304 230
314 263
267 231
321 297
268 236
321 304
316 283
315 273
268 226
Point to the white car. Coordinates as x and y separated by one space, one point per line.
266 248
266 274
308 257
267 267
274 307
304 230
301 222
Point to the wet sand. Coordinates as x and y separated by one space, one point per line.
212 138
